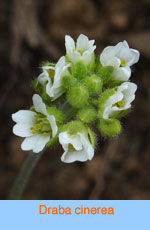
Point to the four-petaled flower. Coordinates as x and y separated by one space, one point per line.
51 76
121 57
82 50
121 100
77 147
37 127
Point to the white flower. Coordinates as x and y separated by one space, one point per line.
82 50
52 76
76 147
121 57
27 124
121 100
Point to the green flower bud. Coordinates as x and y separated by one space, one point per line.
78 96
87 114
105 73
80 70
68 81
73 127
94 84
57 114
109 127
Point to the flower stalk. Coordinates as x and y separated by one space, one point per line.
24 175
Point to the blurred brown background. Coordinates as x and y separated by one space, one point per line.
33 31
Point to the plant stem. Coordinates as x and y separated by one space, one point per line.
24 175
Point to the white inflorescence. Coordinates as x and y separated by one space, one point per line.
77 91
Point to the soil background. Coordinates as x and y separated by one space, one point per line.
32 31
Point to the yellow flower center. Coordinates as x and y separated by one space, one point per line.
119 104
123 63
71 148
42 125
80 51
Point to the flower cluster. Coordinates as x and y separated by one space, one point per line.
74 94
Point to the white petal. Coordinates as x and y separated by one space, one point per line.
40 107
82 42
75 57
121 73
87 146
61 62
48 88
84 150
128 89
55 90
53 124
86 57
121 51
69 43
114 61
42 78
22 130
72 156
91 46
135 55
111 101
64 139
24 117
35 143
107 54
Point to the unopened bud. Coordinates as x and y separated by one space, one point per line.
105 73
94 84
87 114
109 127
78 96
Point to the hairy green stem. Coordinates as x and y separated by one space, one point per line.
24 175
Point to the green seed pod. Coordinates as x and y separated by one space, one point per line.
94 84
109 127
87 114
78 96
